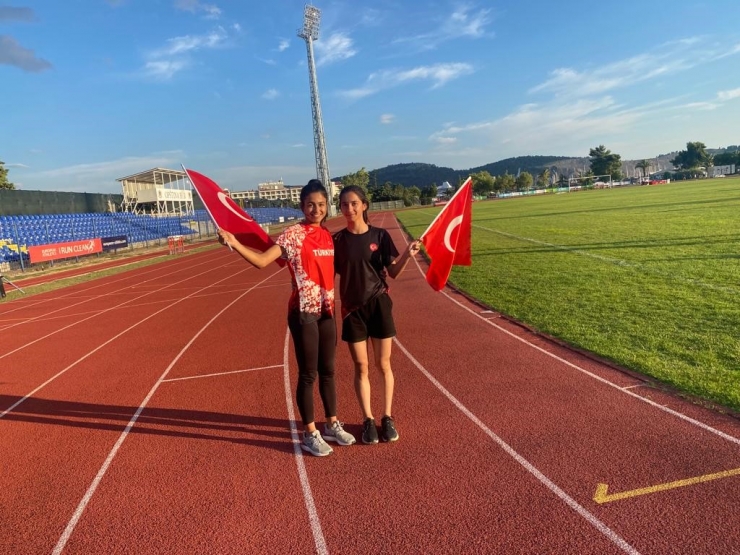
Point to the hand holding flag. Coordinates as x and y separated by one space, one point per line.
226 214
447 239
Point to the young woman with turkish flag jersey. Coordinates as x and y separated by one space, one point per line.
308 248
364 256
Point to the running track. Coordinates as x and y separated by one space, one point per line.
152 412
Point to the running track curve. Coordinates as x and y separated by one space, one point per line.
152 412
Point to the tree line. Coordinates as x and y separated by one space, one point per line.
605 164
388 191
5 183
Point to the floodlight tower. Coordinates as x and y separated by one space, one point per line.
310 33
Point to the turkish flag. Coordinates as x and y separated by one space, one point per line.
228 215
447 240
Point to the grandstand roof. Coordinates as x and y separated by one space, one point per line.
148 176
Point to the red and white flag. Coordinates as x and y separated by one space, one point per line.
228 215
447 239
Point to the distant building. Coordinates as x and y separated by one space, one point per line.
158 191
443 190
722 170
274 190
244 195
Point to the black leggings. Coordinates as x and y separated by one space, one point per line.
315 344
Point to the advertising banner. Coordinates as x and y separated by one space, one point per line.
113 243
56 251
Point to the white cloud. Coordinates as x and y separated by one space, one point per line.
182 45
298 145
164 69
334 48
99 176
701 106
387 118
539 126
438 74
270 94
371 17
283 45
461 23
667 59
17 165
578 108
194 6
163 63
730 52
728 95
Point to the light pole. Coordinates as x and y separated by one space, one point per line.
310 33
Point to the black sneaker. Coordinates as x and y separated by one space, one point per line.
389 432
369 432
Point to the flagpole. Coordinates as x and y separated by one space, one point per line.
203 201
421 238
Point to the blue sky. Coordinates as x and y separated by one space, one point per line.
93 90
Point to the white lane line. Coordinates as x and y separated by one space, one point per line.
110 309
602 380
109 293
19 304
219 293
313 515
103 469
572 503
672 412
54 377
222 373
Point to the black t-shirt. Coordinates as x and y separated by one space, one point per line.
361 261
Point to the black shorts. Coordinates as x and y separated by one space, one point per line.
375 319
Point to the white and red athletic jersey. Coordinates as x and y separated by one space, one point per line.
310 253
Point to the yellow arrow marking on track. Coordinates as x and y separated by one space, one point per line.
601 495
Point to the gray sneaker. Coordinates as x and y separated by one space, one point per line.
336 432
315 444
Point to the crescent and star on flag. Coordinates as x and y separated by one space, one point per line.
223 198
448 233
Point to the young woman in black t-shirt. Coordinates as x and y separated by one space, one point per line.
364 256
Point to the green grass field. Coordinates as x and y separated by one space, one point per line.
648 277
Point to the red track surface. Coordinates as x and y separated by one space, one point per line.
151 412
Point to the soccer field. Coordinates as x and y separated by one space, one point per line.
648 277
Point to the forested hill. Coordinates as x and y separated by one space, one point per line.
423 175
531 164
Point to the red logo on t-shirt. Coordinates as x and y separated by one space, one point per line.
373 247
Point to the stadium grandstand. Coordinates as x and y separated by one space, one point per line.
156 204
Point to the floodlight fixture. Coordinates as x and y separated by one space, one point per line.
311 22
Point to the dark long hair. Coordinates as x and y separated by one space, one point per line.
359 191
315 186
